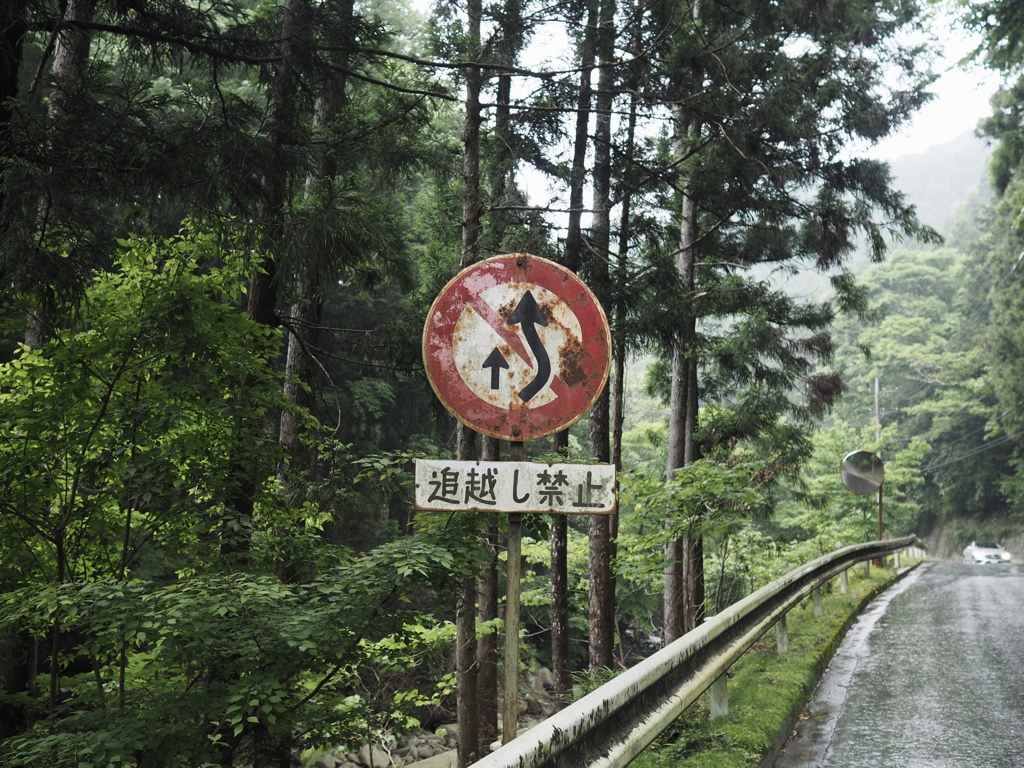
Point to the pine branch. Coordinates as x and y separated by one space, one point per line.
192 46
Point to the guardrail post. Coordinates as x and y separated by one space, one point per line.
867 569
781 636
719 697
896 561
844 579
818 608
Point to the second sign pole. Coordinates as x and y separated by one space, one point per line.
510 711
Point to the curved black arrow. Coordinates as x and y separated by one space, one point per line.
529 315
495 361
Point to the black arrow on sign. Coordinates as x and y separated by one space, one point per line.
495 361
529 315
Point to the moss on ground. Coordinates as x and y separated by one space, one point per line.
767 691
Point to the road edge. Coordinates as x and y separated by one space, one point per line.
823 661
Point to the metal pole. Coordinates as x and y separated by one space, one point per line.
880 511
880 561
513 574
878 411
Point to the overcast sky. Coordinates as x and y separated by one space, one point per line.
962 99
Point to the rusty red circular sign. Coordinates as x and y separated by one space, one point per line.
517 347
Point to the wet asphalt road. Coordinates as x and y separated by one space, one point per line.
930 676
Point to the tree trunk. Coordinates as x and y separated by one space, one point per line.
12 38
70 61
15 670
672 607
578 171
472 225
301 384
618 384
680 582
573 259
466 684
306 314
301 371
281 128
619 341
602 584
680 612
601 603
467 667
504 193
468 706
488 701
694 568
71 48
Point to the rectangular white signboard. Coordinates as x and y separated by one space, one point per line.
515 486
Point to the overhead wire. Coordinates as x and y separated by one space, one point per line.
969 454
978 449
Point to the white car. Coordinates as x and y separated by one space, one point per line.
985 552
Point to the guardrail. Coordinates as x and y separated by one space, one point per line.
612 725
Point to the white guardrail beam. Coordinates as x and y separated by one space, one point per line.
609 727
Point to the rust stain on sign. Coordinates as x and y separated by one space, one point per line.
573 357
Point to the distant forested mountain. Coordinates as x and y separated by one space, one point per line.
940 179
937 181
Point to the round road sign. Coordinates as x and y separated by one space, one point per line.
517 347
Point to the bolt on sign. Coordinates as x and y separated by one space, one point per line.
515 486
517 347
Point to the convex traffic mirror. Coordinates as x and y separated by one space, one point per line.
862 472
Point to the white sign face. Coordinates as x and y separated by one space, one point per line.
513 366
515 486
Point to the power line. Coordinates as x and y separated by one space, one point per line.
966 435
962 457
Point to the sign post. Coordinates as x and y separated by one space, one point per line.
516 347
513 578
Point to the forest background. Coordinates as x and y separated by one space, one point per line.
222 224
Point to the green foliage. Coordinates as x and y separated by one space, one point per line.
204 596
128 438
210 669
707 499
928 356
819 511
136 424
994 250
